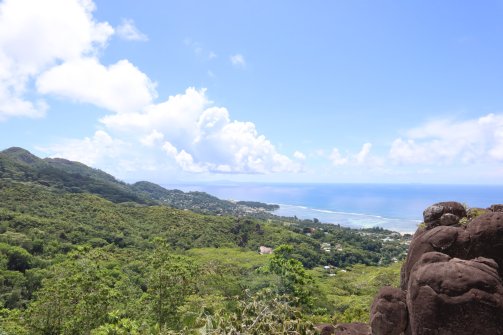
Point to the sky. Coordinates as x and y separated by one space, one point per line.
360 91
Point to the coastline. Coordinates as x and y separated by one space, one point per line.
348 219
396 207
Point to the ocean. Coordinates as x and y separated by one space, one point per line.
396 207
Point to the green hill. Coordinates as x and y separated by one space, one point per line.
83 253
20 165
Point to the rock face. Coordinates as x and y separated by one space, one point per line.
325 329
453 296
486 234
451 281
389 312
443 211
355 328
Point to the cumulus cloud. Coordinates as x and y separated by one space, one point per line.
299 155
183 159
120 87
152 139
35 35
201 137
53 46
362 156
337 158
450 141
359 158
12 105
90 150
186 131
127 30
238 60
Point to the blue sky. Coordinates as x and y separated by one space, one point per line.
260 91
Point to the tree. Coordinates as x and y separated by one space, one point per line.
293 279
18 259
171 281
79 294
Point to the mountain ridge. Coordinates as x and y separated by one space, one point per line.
19 164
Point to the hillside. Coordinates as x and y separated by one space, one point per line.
73 261
201 202
20 165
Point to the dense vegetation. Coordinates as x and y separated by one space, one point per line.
72 262
19 164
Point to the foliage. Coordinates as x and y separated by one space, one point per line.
348 294
76 259
263 313
20 165
79 293
293 279
172 278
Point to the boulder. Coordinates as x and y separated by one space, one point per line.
325 329
486 235
355 328
452 279
388 314
449 219
453 296
453 241
496 208
433 214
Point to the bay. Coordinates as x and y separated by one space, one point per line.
397 207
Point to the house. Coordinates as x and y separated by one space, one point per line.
326 247
265 250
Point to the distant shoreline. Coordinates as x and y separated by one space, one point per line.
348 219
396 207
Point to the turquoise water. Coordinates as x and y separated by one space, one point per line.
396 207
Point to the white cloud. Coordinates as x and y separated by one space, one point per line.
35 35
176 116
497 151
151 139
90 150
185 131
127 30
202 137
359 158
122 157
183 159
238 60
299 155
120 87
12 106
53 46
337 159
451 141
362 156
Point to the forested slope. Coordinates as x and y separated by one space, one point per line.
74 262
